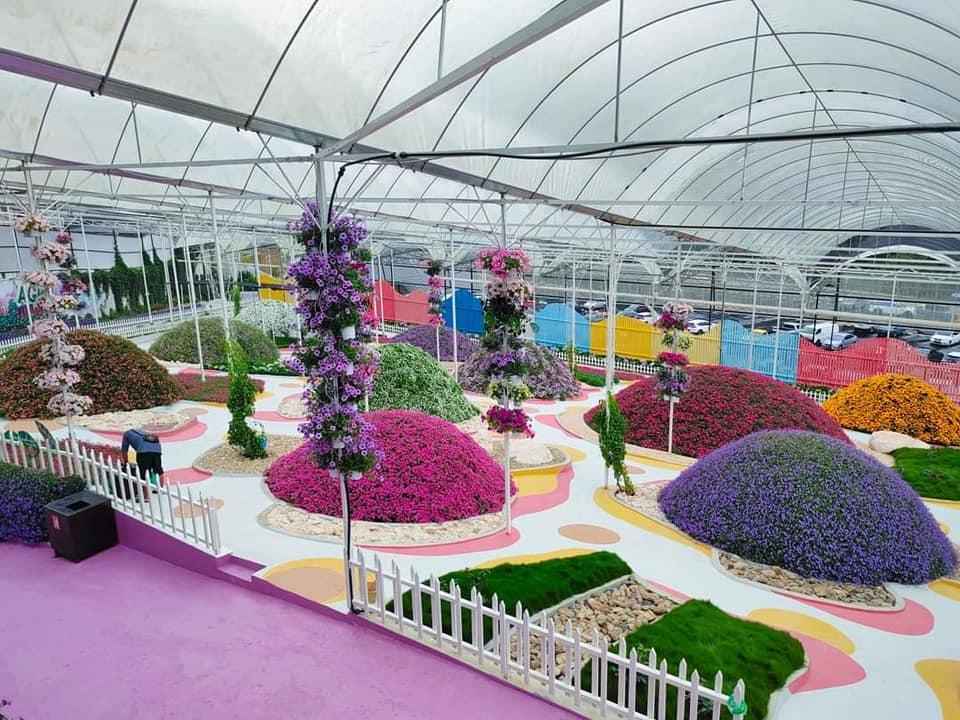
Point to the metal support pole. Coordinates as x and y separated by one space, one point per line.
453 308
216 248
611 311
616 97
143 268
776 337
443 38
93 293
573 305
173 264
893 296
193 299
256 262
26 288
166 282
753 318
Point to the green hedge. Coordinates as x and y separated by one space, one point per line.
180 343
537 586
23 494
409 379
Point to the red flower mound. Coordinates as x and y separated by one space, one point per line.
429 472
724 404
115 373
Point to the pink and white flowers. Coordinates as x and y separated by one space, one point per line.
39 278
68 403
49 328
503 262
57 379
64 354
52 252
31 224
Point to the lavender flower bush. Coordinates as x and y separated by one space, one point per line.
813 505
548 377
424 337
23 494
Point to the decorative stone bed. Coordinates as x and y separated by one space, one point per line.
525 454
156 421
613 610
291 520
776 578
224 459
292 407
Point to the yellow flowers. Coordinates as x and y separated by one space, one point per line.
900 403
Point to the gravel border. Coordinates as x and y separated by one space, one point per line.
255 471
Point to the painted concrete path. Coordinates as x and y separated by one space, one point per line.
123 635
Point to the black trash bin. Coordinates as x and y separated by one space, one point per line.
81 525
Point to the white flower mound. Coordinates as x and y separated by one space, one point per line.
271 316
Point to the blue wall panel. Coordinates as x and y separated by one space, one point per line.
741 348
469 312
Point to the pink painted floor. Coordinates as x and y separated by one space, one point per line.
123 635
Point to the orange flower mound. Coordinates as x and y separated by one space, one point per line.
115 373
900 403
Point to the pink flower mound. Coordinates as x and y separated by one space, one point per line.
430 472
724 404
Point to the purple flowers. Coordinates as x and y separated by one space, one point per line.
424 337
501 420
331 287
813 505
547 376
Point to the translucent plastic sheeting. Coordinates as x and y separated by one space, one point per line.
688 68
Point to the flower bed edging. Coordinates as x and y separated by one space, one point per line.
899 602
361 526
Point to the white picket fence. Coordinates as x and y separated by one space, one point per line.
622 684
186 515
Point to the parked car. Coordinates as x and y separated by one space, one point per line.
639 312
839 341
594 310
790 326
952 357
698 326
945 338
864 330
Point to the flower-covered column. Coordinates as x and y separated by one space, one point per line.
508 297
435 298
331 288
58 295
672 378
333 280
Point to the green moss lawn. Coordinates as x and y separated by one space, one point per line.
932 473
537 586
710 640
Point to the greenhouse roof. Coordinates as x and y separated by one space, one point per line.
131 111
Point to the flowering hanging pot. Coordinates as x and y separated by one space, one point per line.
348 332
337 444
355 474
515 380
348 369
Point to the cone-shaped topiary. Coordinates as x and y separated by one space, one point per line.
900 403
429 472
425 338
240 401
409 379
549 378
180 343
813 505
723 404
114 372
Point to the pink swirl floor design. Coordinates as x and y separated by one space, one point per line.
913 619
529 504
188 432
829 667
552 422
185 476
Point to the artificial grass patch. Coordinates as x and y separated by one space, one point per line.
537 586
215 389
711 641
933 473
591 378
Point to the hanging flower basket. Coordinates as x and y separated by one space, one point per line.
349 332
501 420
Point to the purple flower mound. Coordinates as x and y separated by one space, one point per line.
548 378
424 337
429 472
813 505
